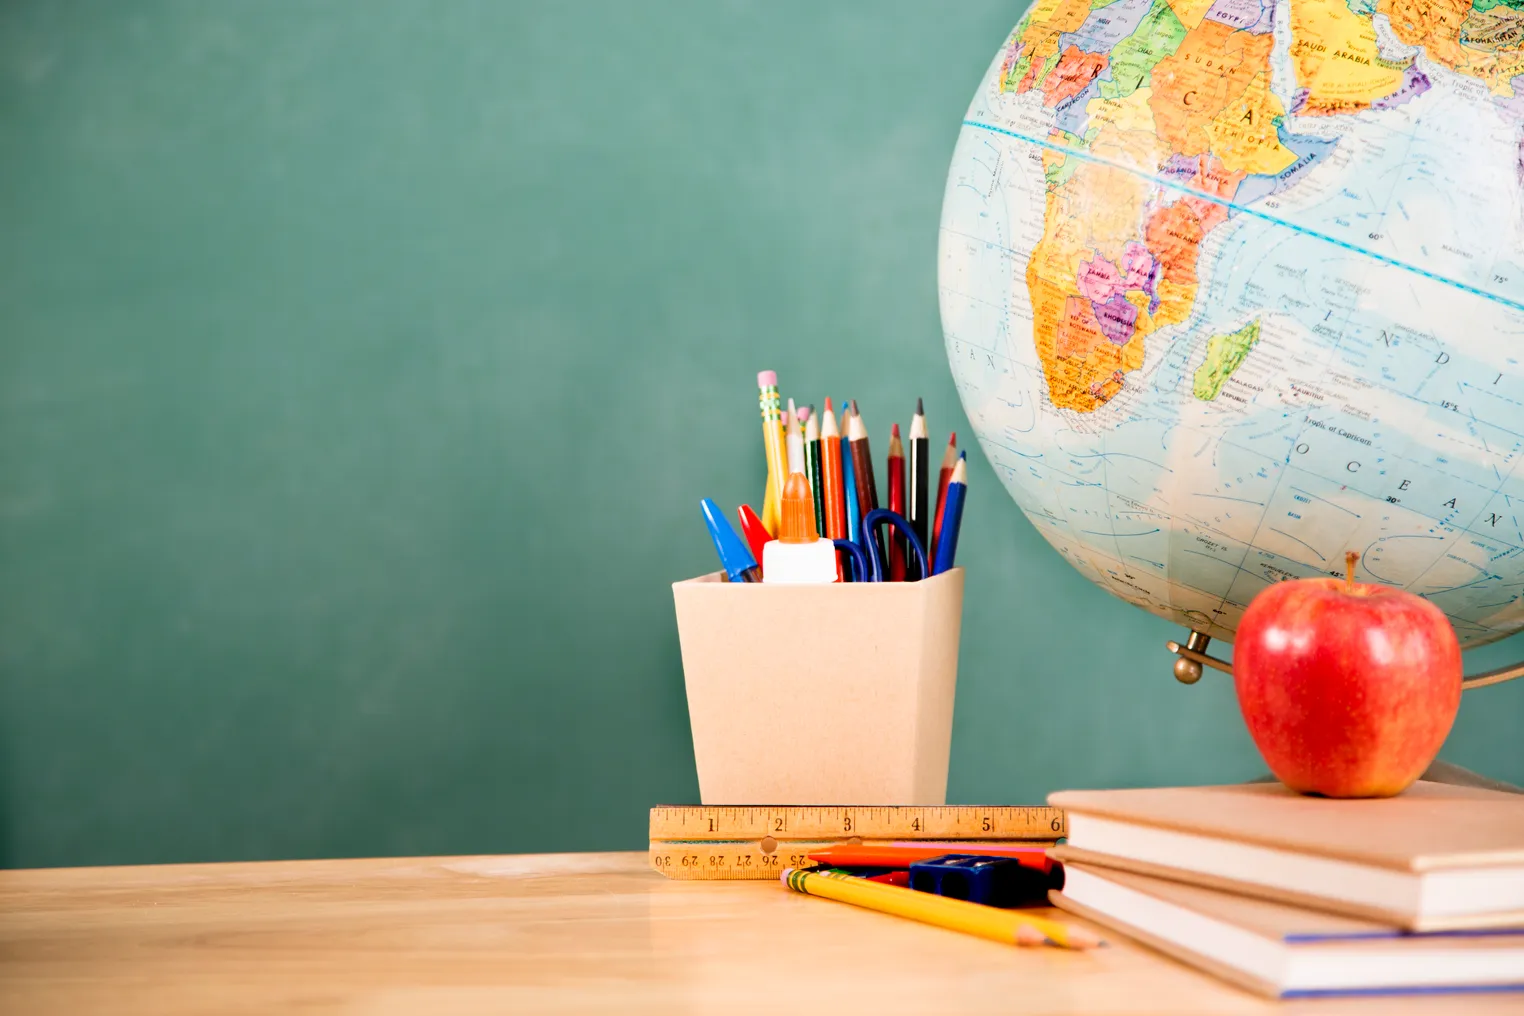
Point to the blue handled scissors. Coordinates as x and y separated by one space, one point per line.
870 568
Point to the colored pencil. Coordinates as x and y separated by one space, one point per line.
1013 927
862 467
849 482
947 538
812 470
873 855
834 498
772 445
949 459
920 509
794 440
899 548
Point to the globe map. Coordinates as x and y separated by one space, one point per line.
1230 287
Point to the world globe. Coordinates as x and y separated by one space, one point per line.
1230 287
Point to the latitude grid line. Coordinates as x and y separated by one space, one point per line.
1247 210
1395 392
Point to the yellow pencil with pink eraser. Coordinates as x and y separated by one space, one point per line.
773 444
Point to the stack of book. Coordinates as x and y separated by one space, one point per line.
1296 896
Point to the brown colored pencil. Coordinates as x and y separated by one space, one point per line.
862 468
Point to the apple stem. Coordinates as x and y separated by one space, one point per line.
1350 557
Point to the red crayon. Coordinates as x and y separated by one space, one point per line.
898 550
949 460
755 532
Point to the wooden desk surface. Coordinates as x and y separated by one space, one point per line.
546 933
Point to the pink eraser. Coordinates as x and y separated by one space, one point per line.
767 379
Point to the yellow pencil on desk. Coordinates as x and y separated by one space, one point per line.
1008 926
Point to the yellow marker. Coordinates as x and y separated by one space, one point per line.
772 443
1009 926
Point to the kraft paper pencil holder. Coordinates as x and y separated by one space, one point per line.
821 694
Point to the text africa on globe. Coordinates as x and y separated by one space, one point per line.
1230 287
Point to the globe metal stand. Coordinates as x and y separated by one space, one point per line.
1193 656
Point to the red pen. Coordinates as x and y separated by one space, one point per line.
898 551
756 534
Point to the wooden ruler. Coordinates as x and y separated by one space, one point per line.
835 823
727 860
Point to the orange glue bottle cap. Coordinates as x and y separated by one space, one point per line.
798 522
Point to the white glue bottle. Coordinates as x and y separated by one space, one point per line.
798 556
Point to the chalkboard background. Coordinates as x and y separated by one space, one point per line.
361 368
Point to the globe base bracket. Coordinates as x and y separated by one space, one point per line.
1192 657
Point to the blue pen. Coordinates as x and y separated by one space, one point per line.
735 556
849 489
952 516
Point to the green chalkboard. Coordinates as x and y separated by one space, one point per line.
362 365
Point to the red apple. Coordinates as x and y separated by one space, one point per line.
1348 689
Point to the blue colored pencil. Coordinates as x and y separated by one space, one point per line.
849 488
952 517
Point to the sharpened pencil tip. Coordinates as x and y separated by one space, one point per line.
894 429
1079 938
918 408
854 408
952 438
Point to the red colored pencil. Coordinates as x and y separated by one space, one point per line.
870 855
949 460
898 550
